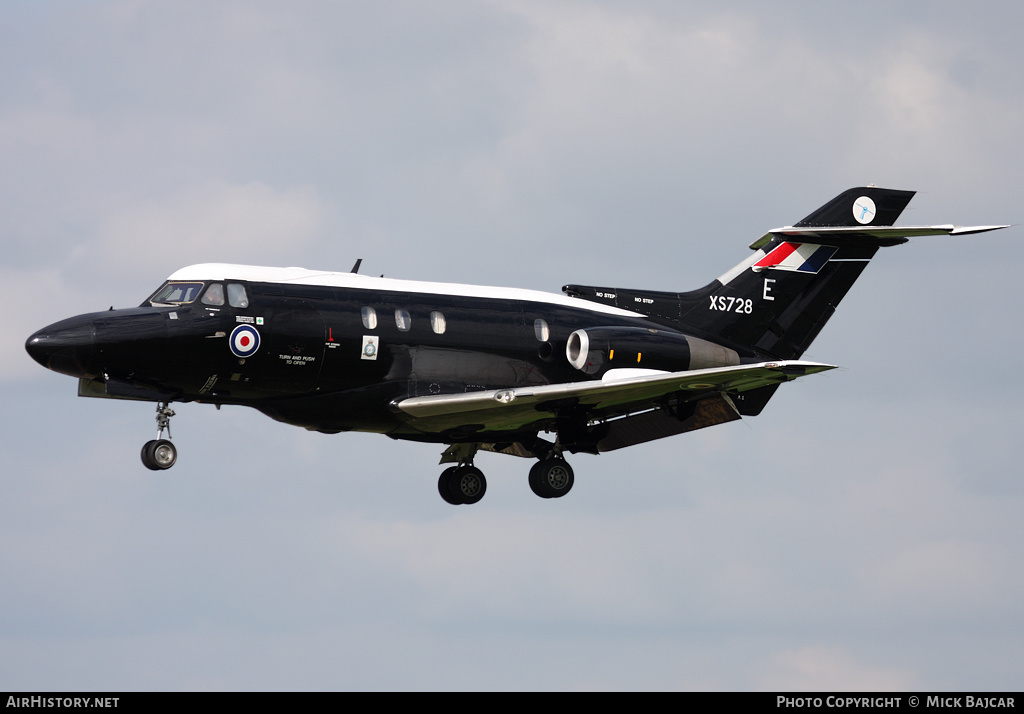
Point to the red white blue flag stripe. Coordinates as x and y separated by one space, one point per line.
798 257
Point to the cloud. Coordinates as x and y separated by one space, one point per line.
587 570
818 668
943 577
41 297
700 97
137 246
214 221
516 142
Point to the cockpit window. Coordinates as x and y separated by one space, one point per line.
177 293
214 294
237 296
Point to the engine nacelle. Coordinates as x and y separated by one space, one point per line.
596 350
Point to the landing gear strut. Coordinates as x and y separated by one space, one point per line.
160 454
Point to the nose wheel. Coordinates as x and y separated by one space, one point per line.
160 454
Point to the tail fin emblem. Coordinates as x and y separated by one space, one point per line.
863 210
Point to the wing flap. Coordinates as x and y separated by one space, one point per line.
659 423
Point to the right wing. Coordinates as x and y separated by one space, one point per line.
520 408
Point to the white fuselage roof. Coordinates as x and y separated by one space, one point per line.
302 276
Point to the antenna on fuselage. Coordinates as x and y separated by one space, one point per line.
355 268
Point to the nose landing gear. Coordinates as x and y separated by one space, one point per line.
160 454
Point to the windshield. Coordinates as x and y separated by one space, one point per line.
176 293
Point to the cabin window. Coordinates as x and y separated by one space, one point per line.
402 320
176 293
237 296
369 318
437 322
541 331
214 295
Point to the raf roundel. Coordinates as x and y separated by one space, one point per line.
244 342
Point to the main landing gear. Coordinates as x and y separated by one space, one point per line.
160 454
462 484
551 477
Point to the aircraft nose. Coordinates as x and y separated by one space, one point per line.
64 346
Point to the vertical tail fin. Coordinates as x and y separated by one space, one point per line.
778 301
868 206
775 302
798 274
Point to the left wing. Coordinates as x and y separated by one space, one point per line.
519 408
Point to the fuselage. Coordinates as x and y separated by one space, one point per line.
327 351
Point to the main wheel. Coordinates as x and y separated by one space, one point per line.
460 485
444 486
551 478
468 484
159 454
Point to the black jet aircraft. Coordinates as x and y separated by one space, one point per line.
518 372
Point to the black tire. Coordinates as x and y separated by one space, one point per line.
444 486
147 455
162 455
467 484
552 478
535 480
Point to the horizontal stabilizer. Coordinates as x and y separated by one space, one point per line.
877 235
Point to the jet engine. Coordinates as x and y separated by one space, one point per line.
596 350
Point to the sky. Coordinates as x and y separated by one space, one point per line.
862 533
